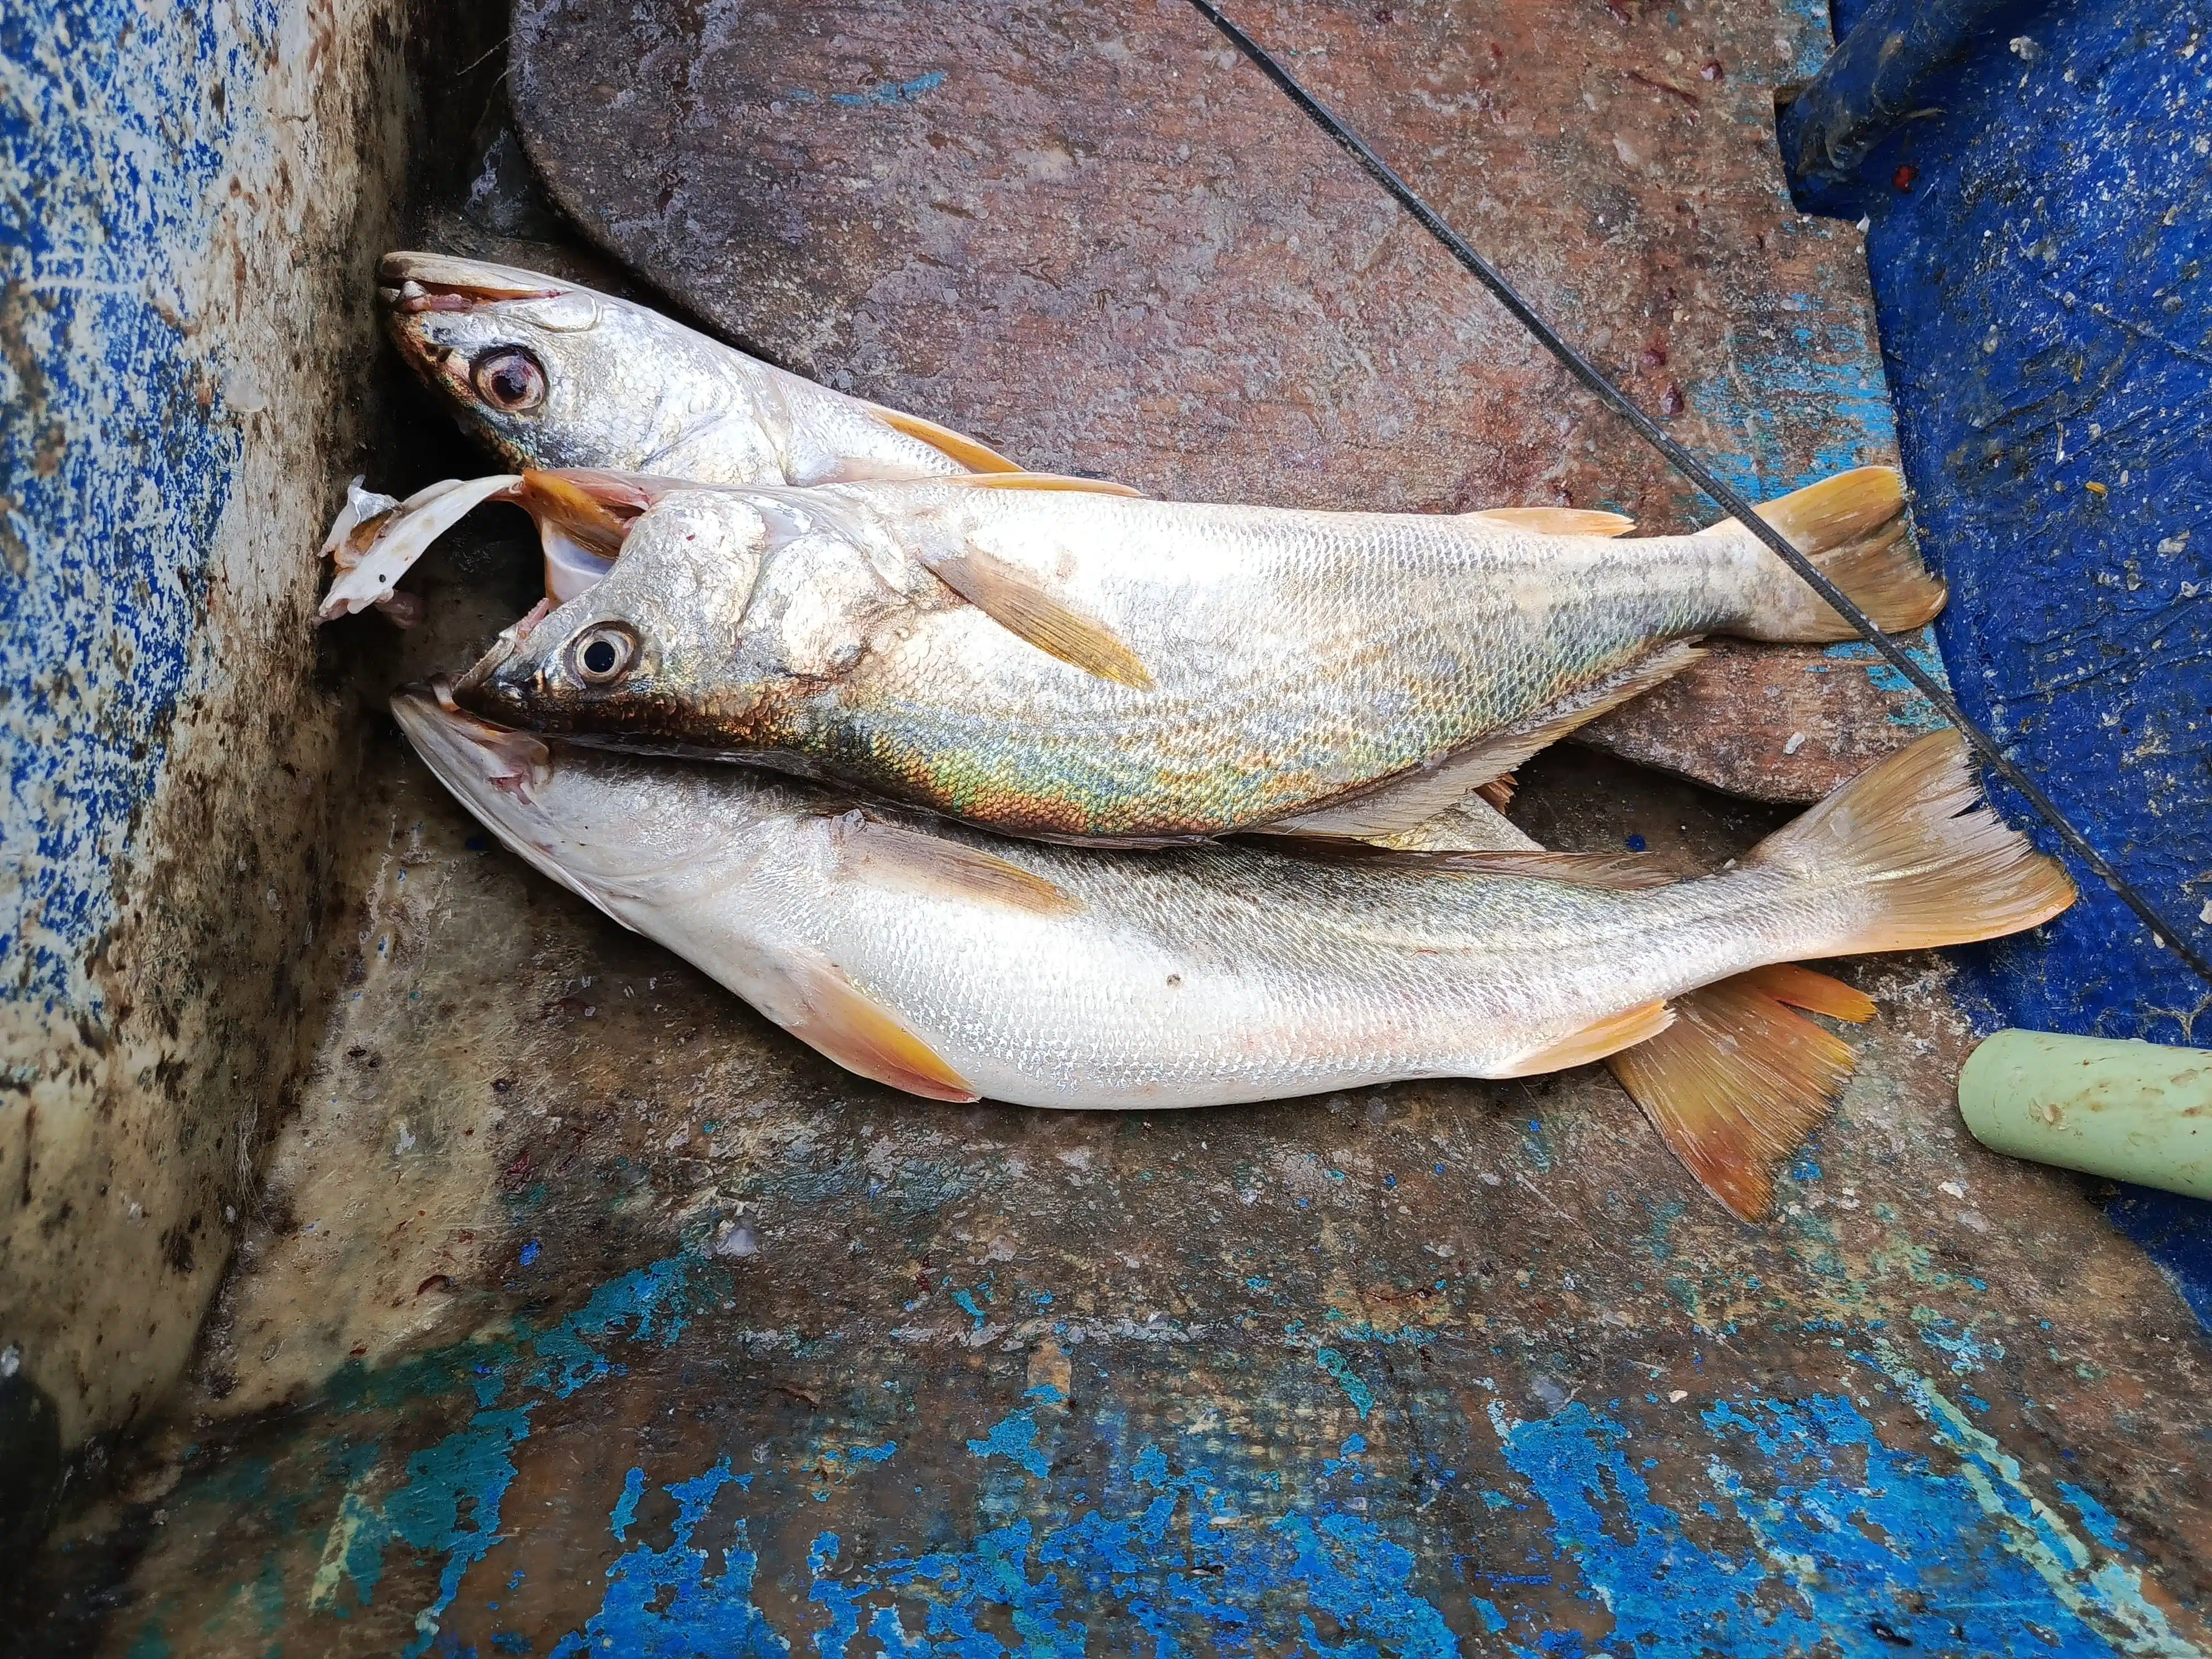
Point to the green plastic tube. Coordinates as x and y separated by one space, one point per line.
2129 1111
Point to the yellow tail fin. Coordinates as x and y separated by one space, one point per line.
1853 527
1921 863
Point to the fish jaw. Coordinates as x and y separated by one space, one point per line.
506 778
627 835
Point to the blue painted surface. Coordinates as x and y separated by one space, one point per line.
1817 1527
2046 319
2047 326
117 449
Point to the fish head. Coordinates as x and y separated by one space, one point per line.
658 651
547 371
620 832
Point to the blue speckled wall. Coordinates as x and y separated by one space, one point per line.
118 447
2038 246
186 198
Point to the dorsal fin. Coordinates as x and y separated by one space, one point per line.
1016 601
1558 520
1624 872
953 446
917 862
1736 1085
1044 481
1596 1041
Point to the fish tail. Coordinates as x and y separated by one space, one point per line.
1913 861
1853 527
1736 1085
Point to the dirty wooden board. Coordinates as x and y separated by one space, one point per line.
1095 238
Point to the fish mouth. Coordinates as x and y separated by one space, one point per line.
466 750
409 282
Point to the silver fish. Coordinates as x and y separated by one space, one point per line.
551 374
955 964
1069 663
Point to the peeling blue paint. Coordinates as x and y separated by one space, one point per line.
115 151
625 1509
449 1502
1363 1397
1839 1555
1015 1436
1180 1558
666 1601
892 91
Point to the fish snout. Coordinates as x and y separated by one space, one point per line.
506 683
439 282
460 744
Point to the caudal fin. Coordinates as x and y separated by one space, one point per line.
1736 1085
1916 860
1853 527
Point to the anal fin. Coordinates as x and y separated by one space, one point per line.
1470 824
1736 1084
836 1017
953 446
1816 992
1558 520
1596 1041
1046 481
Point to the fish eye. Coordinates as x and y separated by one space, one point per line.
509 378
603 654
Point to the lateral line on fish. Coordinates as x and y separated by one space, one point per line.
1595 380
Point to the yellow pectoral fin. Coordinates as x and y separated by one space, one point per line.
1013 599
1558 520
1595 1042
953 446
837 1017
554 498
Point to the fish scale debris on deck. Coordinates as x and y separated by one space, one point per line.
577 1309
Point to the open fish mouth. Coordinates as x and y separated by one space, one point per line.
410 283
